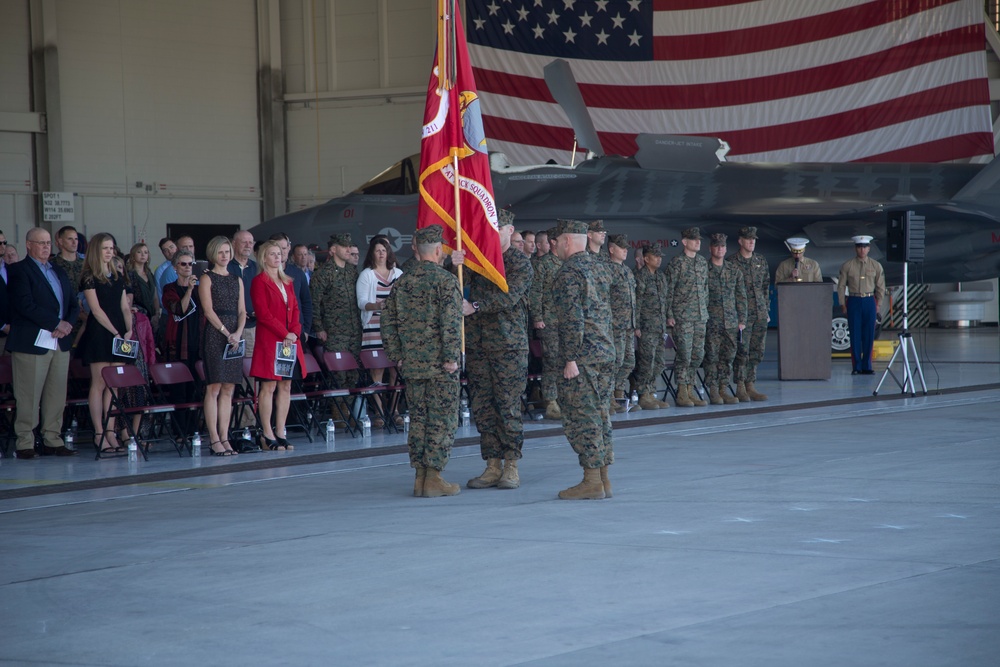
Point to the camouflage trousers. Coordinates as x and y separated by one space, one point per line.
624 358
586 419
750 352
689 349
433 420
496 383
650 360
551 370
720 350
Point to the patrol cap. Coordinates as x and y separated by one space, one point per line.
574 227
505 217
553 232
691 234
861 239
748 233
796 243
596 226
620 240
654 250
341 240
429 235
718 239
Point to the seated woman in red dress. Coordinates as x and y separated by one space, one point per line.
277 313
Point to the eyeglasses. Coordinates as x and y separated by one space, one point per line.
185 264
37 242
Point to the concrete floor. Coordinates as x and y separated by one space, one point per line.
823 527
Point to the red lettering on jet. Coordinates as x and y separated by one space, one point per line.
348 212
995 237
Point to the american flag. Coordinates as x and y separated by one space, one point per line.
779 80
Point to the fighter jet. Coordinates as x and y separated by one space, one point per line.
674 182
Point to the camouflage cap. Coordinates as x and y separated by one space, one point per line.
748 233
718 239
654 250
620 240
505 217
596 226
573 227
341 240
429 235
554 232
691 234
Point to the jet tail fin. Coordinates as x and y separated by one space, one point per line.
559 78
984 185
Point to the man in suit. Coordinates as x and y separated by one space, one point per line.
41 300
4 307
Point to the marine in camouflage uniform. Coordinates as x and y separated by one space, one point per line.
421 324
727 314
623 317
756 280
496 344
587 355
687 313
651 307
542 311
336 318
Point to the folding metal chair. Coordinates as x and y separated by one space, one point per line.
170 377
8 406
342 361
118 378
395 393
668 371
536 352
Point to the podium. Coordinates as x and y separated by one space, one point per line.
804 320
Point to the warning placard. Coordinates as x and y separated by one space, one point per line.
58 207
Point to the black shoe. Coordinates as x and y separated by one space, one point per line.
25 454
284 443
868 372
855 372
57 451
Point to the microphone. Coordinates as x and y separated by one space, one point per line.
795 273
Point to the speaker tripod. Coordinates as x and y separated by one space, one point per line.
906 350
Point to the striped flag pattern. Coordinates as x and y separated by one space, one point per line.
779 80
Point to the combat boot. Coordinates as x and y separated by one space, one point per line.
683 400
490 476
635 407
605 482
618 402
695 398
591 488
714 397
435 486
741 392
662 404
727 397
648 402
552 411
418 482
509 478
754 394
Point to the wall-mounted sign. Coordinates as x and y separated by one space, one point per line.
58 207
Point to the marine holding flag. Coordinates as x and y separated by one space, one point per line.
453 128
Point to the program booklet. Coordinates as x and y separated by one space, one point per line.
124 348
284 359
237 351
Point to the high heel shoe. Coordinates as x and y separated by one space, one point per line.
104 445
229 448
211 449
284 443
268 444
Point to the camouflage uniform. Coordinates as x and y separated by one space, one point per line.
585 336
543 310
335 311
687 305
420 328
496 343
623 322
727 307
756 280
73 270
651 307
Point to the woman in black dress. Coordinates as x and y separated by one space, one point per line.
225 315
110 317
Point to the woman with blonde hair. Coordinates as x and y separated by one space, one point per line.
225 316
143 283
103 287
273 295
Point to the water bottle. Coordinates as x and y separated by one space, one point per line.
635 397
196 445
133 450
68 439
331 432
366 426
406 422
246 435
463 405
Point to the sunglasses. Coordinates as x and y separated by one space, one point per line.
3 243
185 264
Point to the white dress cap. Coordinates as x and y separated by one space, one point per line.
796 243
862 239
